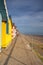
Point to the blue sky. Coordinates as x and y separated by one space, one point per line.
27 15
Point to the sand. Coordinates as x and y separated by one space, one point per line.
20 52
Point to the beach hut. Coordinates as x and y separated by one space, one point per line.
13 31
5 25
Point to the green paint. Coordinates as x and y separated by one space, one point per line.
2 10
7 28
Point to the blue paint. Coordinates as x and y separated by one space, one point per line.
0 31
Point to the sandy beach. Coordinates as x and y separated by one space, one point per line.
22 51
36 42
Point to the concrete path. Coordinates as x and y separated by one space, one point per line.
19 53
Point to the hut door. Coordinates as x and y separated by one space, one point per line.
0 31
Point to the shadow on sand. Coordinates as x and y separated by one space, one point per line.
6 62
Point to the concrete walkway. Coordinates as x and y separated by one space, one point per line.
19 53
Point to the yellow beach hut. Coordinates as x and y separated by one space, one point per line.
5 25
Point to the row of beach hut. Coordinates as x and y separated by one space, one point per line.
7 28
